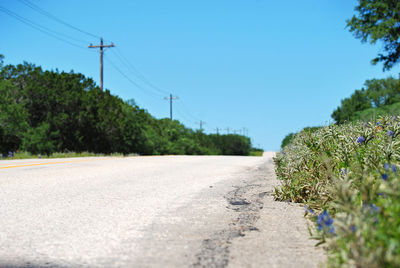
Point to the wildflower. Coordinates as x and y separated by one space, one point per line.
332 230
384 176
10 154
360 139
374 208
390 133
394 168
353 228
378 124
371 208
308 210
343 171
386 166
365 124
324 220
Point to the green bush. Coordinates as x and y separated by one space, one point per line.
348 177
43 112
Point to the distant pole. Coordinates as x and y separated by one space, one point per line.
217 130
101 46
227 130
201 123
171 98
245 131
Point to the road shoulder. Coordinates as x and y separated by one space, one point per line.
280 237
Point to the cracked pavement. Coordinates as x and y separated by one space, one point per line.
167 211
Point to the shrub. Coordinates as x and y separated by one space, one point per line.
348 177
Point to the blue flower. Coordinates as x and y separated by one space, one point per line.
394 168
378 123
384 176
360 139
308 210
343 171
374 208
353 228
324 221
386 166
390 133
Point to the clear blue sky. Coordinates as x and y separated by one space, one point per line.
273 67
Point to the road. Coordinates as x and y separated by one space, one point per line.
167 211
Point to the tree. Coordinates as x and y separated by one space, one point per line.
379 20
358 101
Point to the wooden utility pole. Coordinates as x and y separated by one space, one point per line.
201 123
101 46
171 98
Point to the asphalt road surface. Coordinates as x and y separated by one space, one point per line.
169 211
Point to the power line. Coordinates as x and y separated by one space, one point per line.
127 64
130 80
195 118
51 16
39 27
136 72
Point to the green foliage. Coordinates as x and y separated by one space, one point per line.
28 155
256 152
379 20
351 171
43 112
374 113
378 93
288 139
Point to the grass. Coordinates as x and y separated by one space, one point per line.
256 153
347 176
27 155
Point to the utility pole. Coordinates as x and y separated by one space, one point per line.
245 132
217 130
227 130
101 46
201 123
171 98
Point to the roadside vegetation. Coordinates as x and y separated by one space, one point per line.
347 176
45 112
27 155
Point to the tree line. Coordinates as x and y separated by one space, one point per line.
378 97
43 112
